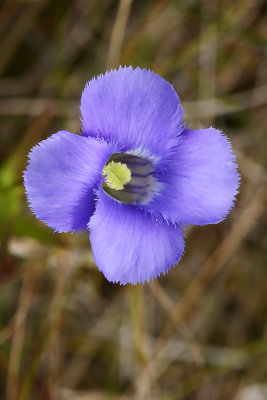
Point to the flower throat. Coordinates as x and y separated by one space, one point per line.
128 178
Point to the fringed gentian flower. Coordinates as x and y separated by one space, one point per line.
133 177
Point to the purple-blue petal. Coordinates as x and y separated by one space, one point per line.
199 180
62 173
133 107
130 246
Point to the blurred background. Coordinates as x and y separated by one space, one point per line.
200 331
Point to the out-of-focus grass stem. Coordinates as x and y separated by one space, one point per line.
56 309
118 33
137 304
25 301
207 57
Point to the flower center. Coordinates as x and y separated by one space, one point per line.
118 175
128 178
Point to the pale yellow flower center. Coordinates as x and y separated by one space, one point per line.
117 175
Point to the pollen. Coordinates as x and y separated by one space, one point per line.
117 175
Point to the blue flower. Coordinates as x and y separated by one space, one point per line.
134 176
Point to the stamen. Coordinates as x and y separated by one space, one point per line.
117 175
129 179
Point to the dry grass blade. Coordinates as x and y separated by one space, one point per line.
143 388
212 107
231 17
25 302
202 108
180 326
55 316
247 219
76 367
118 33
18 32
